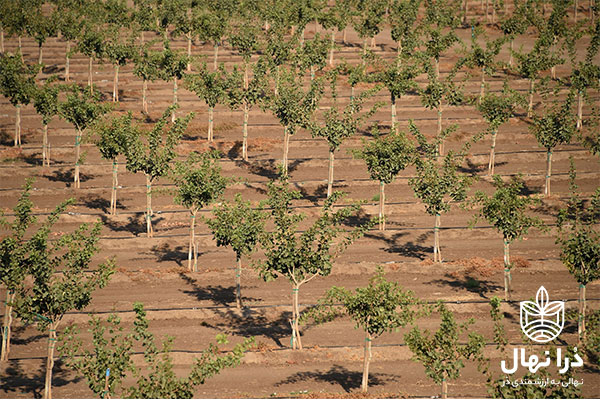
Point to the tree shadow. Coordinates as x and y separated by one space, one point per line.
473 169
67 176
99 203
469 283
164 252
53 69
252 323
235 151
220 295
16 380
408 249
319 193
268 168
18 339
339 375
136 224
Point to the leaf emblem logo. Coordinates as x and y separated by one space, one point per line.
542 320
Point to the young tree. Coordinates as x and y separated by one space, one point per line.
497 110
152 157
483 58
14 258
70 23
238 225
340 125
17 84
172 66
436 183
40 27
211 25
579 241
53 294
403 17
92 43
312 55
146 67
210 87
336 18
247 93
301 257
380 307
110 361
367 20
278 51
441 18
506 211
82 108
513 26
556 126
385 157
199 183
293 107
112 135
399 79
442 354
45 101
119 53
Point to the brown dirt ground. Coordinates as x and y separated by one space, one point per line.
153 271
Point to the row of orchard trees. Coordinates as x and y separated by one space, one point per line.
275 79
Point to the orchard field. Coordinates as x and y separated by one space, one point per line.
194 306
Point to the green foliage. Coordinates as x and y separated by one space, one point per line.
403 17
578 235
382 306
556 126
210 86
302 257
398 79
198 180
17 79
483 58
39 26
172 64
238 225
120 52
497 317
368 17
52 295
113 133
292 106
256 93
386 156
45 100
437 184
339 125
442 354
147 63
82 107
506 208
153 156
115 351
313 53
245 40
498 109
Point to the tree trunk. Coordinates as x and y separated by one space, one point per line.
487 6
50 360
245 134
238 283
437 68
364 51
144 98
330 177
444 386
399 54
192 253
437 251
312 73
277 80
582 307
492 154
366 361
67 61
174 98
344 36
115 180
548 172
332 48
464 19
351 93
286 143
90 78
507 268
296 340
373 45
482 87
216 55
393 114
189 52
210 123
116 84
439 131
302 36
149 230
40 51
512 45
576 6
381 205
6 332
45 158
2 39
579 110
20 47
76 180
18 126
530 106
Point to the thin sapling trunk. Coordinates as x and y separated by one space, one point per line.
144 96
149 230
238 282
90 67
174 98
330 176
530 105
115 184
507 268
6 331
381 205
548 172
437 251
286 144
50 360
296 340
582 310
68 61
18 126
76 180
192 252
210 123
579 110
492 154
245 134
366 362
45 155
